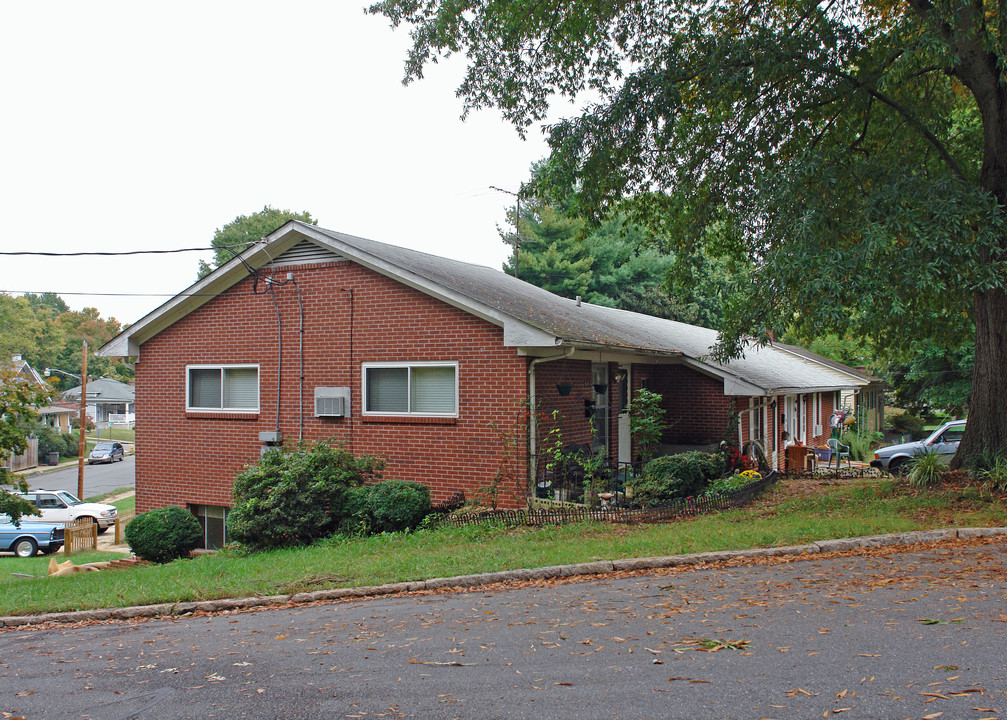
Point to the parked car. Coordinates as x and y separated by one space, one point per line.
30 537
62 507
944 440
106 452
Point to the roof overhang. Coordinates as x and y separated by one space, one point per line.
127 343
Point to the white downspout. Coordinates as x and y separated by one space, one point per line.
533 418
533 422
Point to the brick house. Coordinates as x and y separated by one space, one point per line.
425 361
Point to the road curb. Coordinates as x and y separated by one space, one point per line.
468 581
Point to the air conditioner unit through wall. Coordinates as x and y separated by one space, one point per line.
332 401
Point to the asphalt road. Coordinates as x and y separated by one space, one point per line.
881 635
98 479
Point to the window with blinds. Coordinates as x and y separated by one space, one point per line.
223 388
411 388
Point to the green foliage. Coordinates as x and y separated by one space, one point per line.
388 506
926 469
615 264
908 424
18 398
846 156
729 483
994 477
296 496
931 375
47 334
670 477
239 234
862 443
164 534
646 422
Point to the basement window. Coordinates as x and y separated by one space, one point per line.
427 388
213 521
222 388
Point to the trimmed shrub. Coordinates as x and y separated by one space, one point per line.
164 534
388 506
297 496
668 478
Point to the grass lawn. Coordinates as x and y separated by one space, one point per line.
792 512
114 433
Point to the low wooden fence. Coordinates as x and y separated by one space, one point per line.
80 534
687 507
121 521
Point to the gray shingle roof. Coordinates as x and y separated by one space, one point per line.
774 369
531 317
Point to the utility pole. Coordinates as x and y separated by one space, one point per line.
83 422
517 223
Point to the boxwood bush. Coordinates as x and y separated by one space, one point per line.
164 534
668 478
296 496
388 506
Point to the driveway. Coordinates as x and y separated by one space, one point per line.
880 634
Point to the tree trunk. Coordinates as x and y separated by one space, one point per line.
987 426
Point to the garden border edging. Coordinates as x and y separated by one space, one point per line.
466 581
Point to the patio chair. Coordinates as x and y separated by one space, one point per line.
838 451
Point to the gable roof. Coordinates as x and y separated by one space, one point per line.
531 318
104 390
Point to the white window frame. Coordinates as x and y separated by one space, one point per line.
222 367
408 365
756 411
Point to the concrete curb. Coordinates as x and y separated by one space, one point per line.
468 581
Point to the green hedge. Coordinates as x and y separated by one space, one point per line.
670 477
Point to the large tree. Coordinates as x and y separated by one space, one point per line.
18 400
238 235
854 151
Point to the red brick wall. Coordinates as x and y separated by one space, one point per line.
574 427
698 412
192 458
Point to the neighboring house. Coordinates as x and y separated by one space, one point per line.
313 334
108 401
52 416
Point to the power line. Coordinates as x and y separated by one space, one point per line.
113 294
107 254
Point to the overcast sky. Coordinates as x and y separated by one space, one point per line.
130 125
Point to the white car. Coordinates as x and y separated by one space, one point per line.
944 441
59 506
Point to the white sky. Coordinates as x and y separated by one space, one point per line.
132 125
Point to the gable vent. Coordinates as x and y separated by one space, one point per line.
305 253
332 401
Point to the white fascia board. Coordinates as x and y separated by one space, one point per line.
516 332
733 385
127 343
